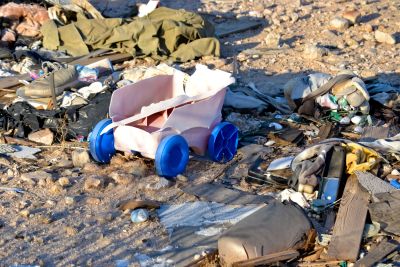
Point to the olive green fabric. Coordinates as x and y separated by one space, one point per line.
164 33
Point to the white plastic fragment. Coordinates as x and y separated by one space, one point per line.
269 143
280 164
276 126
356 120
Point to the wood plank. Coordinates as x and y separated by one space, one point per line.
372 133
350 221
267 259
381 251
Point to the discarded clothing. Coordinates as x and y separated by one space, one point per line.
164 33
317 93
77 120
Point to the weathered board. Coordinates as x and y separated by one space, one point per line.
350 221
381 251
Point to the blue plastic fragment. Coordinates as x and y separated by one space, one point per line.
172 156
102 146
395 184
223 142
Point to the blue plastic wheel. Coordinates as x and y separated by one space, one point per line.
172 156
102 146
223 142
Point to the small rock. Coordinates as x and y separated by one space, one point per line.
93 201
45 218
94 182
56 189
64 181
137 168
80 158
352 15
122 178
272 40
182 178
33 177
340 23
90 168
69 200
139 215
65 163
105 217
42 136
70 231
66 172
160 183
10 173
386 38
314 52
295 17
25 213
50 203
367 28
329 34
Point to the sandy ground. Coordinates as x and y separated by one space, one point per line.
55 225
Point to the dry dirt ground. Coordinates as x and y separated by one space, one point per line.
59 222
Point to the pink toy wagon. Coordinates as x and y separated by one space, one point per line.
165 116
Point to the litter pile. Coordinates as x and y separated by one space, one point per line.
306 176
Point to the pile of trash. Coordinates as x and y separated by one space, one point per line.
331 198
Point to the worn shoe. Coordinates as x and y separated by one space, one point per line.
64 77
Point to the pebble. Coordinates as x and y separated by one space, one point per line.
139 215
56 189
69 200
340 23
295 17
272 40
314 52
64 181
386 38
181 178
65 163
80 158
90 168
160 184
121 177
93 182
25 213
93 201
33 177
45 137
70 231
352 15
45 218
137 168
329 34
10 173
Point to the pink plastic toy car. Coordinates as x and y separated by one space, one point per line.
165 116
